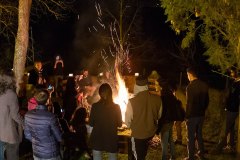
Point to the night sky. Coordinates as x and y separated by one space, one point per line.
70 38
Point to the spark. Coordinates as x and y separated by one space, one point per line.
89 29
98 9
95 28
101 24
110 50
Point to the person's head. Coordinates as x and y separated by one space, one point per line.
192 73
105 92
7 80
58 58
154 75
42 97
167 89
141 84
85 72
38 65
233 72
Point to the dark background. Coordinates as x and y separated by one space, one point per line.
72 40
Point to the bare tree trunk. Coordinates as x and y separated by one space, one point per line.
238 142
21 44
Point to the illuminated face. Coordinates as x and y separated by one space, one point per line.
232 73
189 75
38 65
85 73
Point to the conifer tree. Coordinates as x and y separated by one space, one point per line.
216 22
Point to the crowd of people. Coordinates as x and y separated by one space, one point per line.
61 123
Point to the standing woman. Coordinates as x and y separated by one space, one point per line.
11 123
105 117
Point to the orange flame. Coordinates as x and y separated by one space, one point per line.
122 97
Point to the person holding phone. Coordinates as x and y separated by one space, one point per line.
42 128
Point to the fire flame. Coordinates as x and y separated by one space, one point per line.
122 96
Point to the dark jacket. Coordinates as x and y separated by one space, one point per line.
59 69
34 75
86 81
233 98
105 119
169 103
197 99
43 130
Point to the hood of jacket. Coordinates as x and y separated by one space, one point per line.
6 82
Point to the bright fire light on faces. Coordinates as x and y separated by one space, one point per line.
122 96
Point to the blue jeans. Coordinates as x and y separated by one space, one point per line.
12 151
166 138
2 149
97 155
194 130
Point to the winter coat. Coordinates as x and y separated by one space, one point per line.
197 99
233 98
10 120
43 130
105 119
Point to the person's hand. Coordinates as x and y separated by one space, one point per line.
71 129
52 90
80 77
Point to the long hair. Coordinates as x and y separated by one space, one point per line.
105 93
79 117
7 81
70 87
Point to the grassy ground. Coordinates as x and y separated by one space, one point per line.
213 127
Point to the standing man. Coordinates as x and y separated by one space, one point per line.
11 122
85 83
37 75
43 130
232 111
197 102
86 80
142 114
